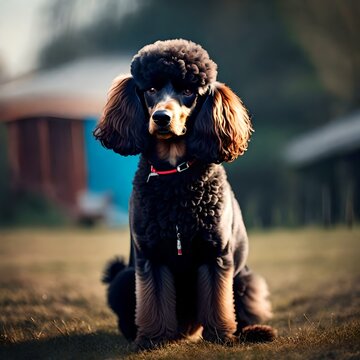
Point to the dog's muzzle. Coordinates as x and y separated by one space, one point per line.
162 118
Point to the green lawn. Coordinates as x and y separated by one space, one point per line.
52 304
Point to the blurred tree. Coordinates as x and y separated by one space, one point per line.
329 32
76 27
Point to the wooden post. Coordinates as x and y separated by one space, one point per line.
44 148
349 203
14 153
78 157
326 205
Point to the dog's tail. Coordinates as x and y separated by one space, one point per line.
252 307
112 269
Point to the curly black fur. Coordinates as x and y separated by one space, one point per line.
209 285
178 59
193 201
113 268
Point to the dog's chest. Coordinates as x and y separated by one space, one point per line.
175 214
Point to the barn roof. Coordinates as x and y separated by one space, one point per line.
338 137
77 89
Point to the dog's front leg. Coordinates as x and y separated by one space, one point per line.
216 309
155 305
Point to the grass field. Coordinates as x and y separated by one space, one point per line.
52 304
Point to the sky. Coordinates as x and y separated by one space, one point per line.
24 27
21 34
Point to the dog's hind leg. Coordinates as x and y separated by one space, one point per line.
252 307
121 299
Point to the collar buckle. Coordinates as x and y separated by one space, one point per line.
151 174
182 167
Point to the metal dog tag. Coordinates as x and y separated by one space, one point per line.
178 241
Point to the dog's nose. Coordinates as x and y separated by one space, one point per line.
162 118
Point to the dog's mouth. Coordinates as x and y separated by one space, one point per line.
164 134
167 133
163 131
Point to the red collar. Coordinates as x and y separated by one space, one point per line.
180 168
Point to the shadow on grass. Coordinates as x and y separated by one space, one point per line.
99 345
335 296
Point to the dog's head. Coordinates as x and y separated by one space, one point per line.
172 95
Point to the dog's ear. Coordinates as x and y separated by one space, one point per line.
222 128
123 124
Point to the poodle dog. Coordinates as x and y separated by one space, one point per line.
187 271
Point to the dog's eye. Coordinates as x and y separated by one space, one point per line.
151 91
187 92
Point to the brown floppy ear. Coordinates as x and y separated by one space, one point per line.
232 123
222 128
123 125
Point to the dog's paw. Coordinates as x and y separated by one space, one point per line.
257 333
218 338
143 343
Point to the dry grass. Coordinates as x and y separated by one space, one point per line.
52 304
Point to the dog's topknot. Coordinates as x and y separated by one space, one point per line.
180 60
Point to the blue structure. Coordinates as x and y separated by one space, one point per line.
108 172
